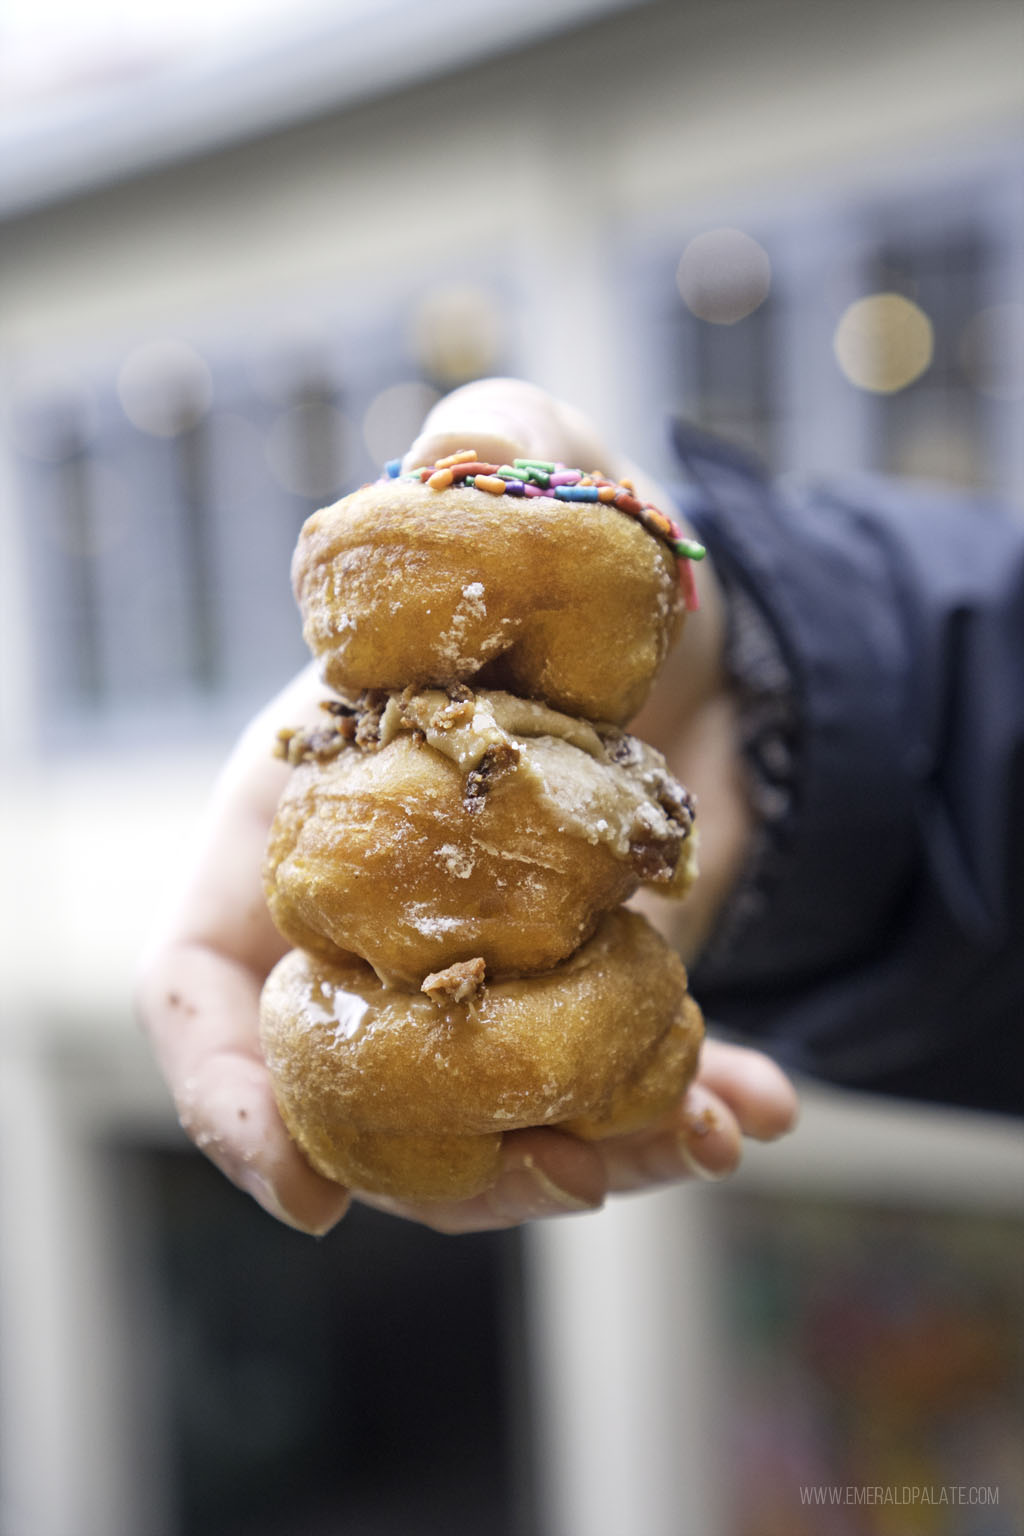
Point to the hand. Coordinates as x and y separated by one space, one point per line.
200 982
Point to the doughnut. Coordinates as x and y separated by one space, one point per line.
530 578
506 827
457 838
408 1094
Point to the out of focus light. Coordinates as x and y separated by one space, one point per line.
394 417
723 275
991 351
164 387
455 334
308 448
883 342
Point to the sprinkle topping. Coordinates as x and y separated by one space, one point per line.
544 477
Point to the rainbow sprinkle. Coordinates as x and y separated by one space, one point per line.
545 477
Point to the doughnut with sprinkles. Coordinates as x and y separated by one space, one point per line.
530 577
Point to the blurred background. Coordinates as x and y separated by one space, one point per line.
244 244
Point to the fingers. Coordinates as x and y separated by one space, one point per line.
199 986
201 1009
543 1173
702 1139
227 1107
503 419
757 1091
738 1093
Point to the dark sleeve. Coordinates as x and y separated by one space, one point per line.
882 942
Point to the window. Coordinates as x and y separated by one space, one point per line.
800 373
161 496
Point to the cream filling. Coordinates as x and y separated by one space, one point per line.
564 759
465 730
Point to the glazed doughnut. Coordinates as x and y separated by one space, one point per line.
506 828
408 1095
531 578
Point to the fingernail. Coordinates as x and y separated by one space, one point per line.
526 1193
699 1170
265 1195
698 1146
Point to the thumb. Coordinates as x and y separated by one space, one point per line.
502 419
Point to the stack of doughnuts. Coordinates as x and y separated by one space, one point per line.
452 853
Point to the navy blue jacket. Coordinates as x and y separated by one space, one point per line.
888 951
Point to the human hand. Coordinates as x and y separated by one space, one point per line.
201 980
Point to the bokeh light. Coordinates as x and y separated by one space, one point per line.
991 351
164 387
723 276
394 417
883 342
455 334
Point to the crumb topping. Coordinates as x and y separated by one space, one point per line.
495 761
459 983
